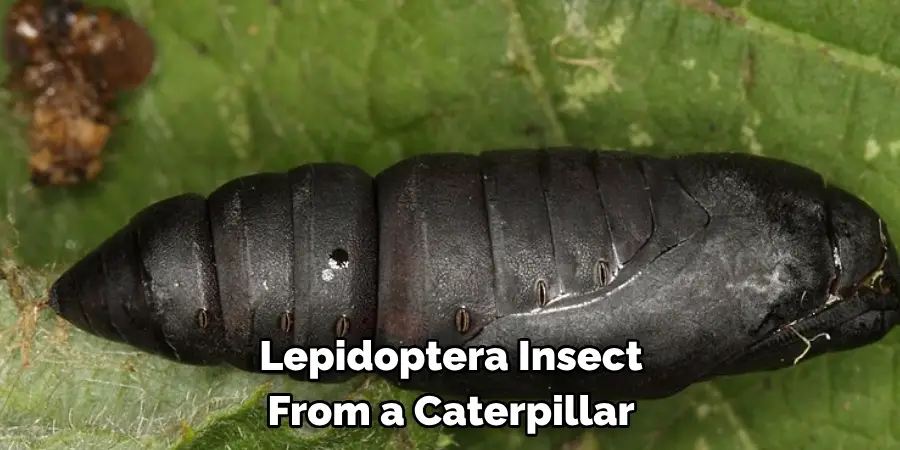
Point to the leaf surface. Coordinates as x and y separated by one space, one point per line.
247 86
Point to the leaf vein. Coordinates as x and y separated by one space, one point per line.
732 417
840 54
535 79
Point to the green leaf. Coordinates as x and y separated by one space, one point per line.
245 86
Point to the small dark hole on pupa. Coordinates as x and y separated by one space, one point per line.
340 257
